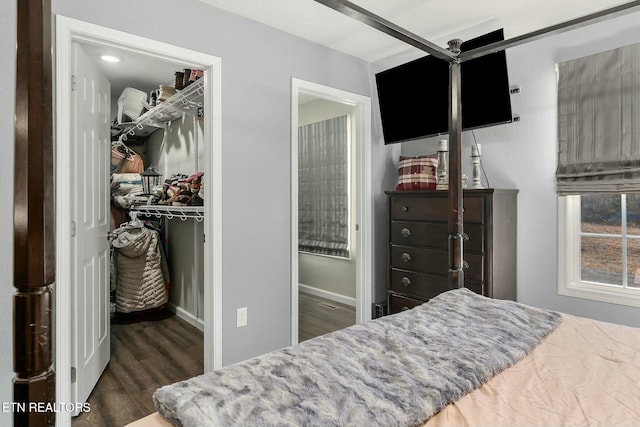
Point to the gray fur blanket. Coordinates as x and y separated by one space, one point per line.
398 370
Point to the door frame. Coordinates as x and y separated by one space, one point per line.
363 195
70 30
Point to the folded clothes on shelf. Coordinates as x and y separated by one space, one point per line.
183 190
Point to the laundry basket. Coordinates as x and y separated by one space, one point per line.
130 104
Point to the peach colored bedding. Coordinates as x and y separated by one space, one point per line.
585 373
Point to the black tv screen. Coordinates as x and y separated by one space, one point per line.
414 97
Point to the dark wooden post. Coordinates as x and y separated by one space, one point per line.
33 219
456 232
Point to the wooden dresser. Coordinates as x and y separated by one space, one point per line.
418 256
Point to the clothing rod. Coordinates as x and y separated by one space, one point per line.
548 31
360 14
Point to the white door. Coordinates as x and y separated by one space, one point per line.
90 154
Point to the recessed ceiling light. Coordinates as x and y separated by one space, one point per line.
109 58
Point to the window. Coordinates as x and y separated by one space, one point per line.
599 247
598 176
323 187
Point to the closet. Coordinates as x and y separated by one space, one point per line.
163 128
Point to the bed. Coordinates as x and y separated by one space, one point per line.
460 359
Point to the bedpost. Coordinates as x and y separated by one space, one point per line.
33 219
456 232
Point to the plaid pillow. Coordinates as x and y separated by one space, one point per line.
417 173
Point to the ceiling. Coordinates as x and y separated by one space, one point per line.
436 20
133 70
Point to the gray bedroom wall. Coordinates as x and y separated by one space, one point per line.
523 155
7 108
258 63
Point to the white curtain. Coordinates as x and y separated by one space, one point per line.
599 123
323 187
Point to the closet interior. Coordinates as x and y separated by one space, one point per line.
157 198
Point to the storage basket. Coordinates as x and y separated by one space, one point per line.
130 104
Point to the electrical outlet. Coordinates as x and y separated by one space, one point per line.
241 317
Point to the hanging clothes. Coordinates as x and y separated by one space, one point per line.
140 269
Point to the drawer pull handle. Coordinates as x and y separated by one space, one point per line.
405 208
405 232
404 308
405 281
405 257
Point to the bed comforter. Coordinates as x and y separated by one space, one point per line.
398 370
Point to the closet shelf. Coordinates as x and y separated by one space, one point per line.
186 101
170 212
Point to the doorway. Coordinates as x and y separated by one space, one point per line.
68 32
359 113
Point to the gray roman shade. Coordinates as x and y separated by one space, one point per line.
323 187
599 123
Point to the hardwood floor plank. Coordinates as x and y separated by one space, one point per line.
146 353
318 316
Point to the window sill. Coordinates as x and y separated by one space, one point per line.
601 293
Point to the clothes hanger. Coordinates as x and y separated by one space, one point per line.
135 222
117 148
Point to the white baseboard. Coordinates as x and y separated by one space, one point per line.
186 316
327 294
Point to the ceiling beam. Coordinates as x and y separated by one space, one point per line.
358 13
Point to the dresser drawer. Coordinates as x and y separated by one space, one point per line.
433 261
434 234
433 208
425 285
398 303
421 285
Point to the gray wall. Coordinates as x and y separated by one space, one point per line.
257 66
523 155
258 63
180 149
7 94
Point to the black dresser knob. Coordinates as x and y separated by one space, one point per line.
405 257
405 281
405 232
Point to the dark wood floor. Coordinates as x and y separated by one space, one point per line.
145 355
162 349
318 316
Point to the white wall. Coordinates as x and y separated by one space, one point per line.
179 149
7 108
523 155
335 275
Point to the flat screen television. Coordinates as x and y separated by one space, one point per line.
414 97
